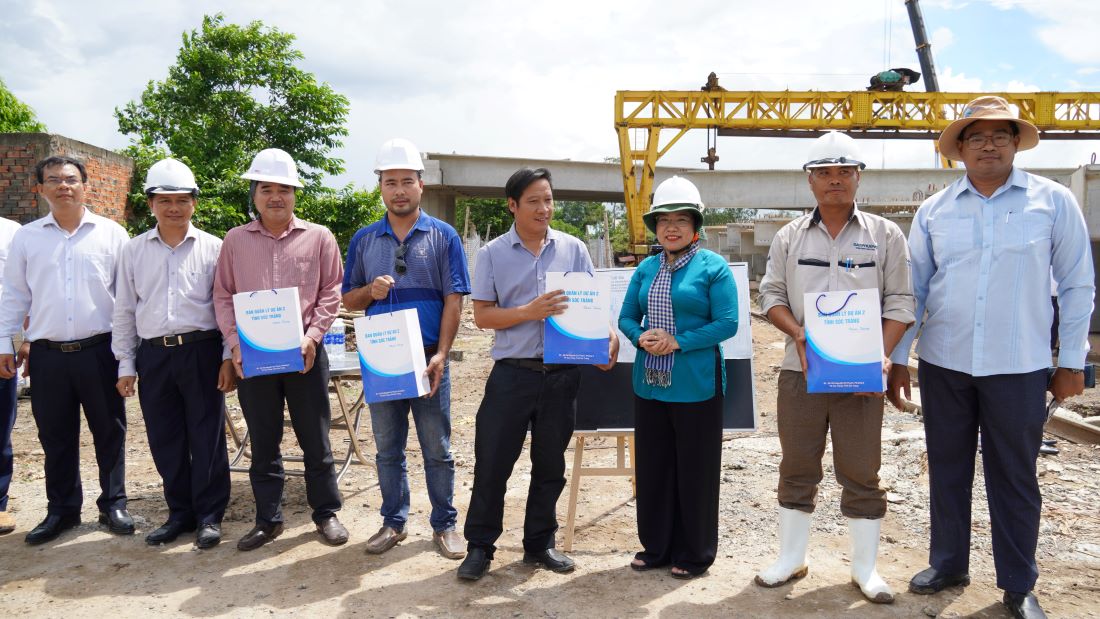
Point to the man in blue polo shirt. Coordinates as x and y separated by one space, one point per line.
409 259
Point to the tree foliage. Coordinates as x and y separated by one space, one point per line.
16 116
486 214
234 91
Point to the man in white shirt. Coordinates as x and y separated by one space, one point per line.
165 331
61 272
9 393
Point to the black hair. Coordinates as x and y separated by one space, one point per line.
522 178
49 162
419 175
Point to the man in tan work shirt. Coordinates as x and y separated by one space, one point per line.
835 247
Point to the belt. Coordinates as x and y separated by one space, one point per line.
76 345
168 341
536 365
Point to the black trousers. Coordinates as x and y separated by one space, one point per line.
515 399
678 474
1009 411
306 396
186 427
63 382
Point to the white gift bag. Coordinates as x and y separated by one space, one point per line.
269 325
844 342
579 334
391 356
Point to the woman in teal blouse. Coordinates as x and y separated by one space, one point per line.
679 307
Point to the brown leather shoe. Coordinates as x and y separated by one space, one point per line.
7 523
384 539
332 531
260 535
450 544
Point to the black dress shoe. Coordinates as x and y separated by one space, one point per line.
168 532
1023 605
51 527
931 581
475 565
209 535
118 521
260 535
551 559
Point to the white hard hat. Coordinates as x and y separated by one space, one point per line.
834 149
398 154
675 194
273 165
170 176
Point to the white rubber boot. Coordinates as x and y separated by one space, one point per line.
794 536
864 553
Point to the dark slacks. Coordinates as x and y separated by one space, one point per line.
186 427
62 383
515 399
679 447
9 395
263 399
1009 411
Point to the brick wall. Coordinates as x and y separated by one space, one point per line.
109 175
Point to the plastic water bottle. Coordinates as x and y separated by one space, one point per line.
334 342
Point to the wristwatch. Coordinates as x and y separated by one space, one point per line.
1074 370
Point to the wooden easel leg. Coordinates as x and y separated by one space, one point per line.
574 488
633 465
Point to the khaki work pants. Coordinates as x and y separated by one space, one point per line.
855 425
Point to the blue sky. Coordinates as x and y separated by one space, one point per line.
497 77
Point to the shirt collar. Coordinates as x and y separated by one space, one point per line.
257 226
815 216
423 222
514 240
87 217
1018 178
192 233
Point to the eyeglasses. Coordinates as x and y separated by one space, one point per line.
979 140
71 181
399 259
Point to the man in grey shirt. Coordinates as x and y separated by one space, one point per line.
510 297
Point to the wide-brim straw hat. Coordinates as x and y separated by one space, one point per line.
985 108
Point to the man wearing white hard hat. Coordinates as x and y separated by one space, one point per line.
983 252
278 250
409 259
835 247
61 273
165 332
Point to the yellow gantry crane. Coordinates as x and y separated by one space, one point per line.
860 114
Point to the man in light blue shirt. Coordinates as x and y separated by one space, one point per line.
983 251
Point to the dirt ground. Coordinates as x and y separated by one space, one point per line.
91 573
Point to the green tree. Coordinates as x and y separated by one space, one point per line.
723 216
233 91
490 214
580 215
16 116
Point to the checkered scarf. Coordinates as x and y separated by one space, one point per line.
658 370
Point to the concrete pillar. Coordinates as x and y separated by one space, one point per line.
439 203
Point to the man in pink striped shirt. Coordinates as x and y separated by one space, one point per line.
278 250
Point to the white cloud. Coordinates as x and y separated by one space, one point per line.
942 38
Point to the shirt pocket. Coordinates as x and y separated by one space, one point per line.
98 268
952 239
307 273
1027 233
199 284
859 270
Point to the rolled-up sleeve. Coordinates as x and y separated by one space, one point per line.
773 286
898 303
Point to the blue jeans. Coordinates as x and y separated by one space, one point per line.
390 422
9 394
